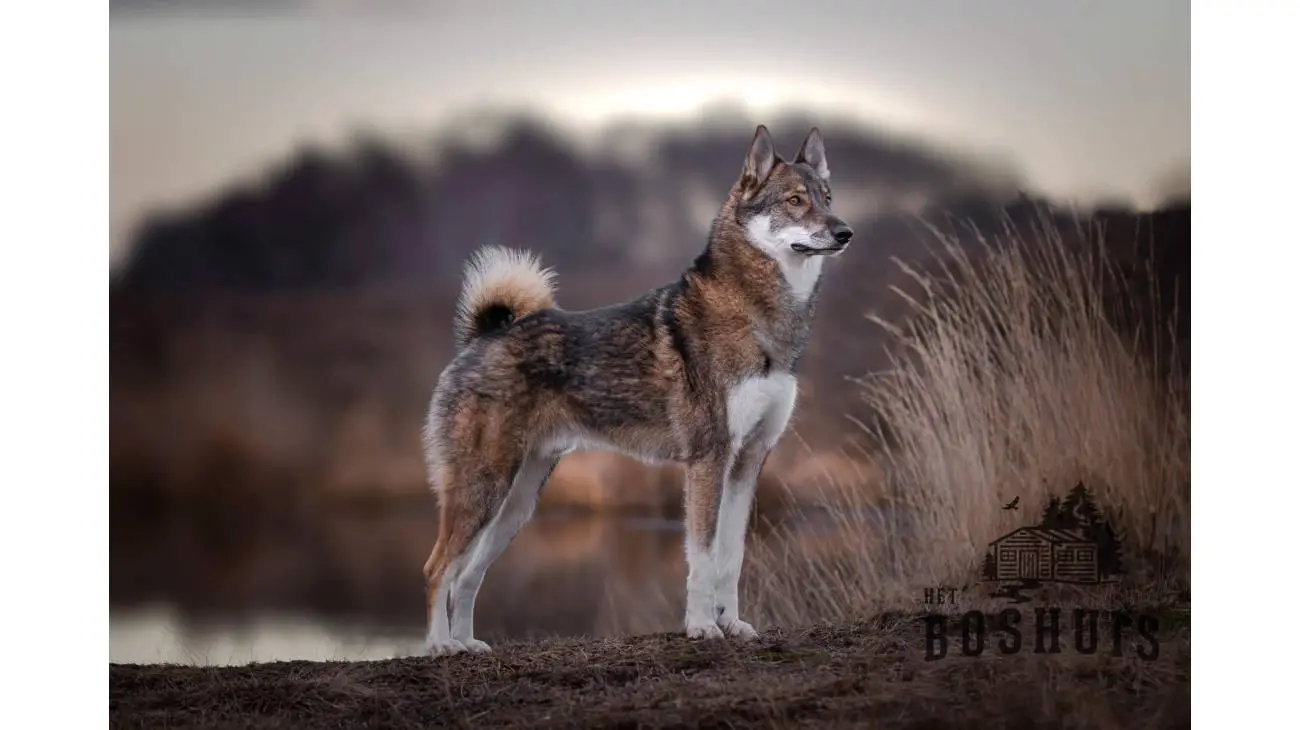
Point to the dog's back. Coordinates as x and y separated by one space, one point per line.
604 378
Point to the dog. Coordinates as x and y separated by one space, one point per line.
699 372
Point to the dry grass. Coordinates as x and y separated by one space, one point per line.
1015 376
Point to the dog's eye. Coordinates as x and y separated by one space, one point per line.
795 200
828 198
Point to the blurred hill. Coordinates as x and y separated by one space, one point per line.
383 216
288 333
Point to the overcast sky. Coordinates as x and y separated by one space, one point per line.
1087 97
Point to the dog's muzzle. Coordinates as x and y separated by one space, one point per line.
839 231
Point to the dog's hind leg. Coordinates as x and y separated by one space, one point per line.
436 571
439 572
492 541
468 505
704 481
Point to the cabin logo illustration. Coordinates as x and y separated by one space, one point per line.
1072 543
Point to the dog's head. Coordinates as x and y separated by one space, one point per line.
785 207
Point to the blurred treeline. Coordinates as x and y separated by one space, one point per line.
281 339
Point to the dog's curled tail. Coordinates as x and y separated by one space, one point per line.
501 286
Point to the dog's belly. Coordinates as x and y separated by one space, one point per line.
648 447
758 410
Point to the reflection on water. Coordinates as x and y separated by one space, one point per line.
158 634
211 584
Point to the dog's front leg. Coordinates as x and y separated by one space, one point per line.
703 491
733 522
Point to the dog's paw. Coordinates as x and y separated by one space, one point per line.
738 629
444 648
475 646
703 630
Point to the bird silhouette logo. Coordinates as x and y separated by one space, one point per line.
1013 504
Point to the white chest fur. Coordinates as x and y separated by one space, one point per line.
761 407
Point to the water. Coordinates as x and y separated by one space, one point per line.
211 584
206 588
162 635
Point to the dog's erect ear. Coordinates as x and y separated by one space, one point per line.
813 153
759 162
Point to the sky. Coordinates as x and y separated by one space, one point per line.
1087 98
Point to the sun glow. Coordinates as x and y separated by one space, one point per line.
686 98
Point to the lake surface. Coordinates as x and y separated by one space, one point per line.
206 584
160 634
206 587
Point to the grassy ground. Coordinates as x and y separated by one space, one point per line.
870 673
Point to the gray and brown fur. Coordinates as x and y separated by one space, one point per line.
664 378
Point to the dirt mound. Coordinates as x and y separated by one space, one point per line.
871 674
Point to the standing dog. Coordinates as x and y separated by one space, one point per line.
698 372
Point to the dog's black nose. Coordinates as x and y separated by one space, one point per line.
842 233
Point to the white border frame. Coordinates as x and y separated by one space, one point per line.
54 534
1244 384
55 537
